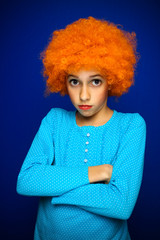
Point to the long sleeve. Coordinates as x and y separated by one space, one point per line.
38 177
116 199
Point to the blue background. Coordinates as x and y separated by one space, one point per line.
25 29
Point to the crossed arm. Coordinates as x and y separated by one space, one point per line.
81 186
116 199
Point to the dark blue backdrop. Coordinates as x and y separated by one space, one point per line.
25 30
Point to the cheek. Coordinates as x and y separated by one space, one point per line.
101 96
72 94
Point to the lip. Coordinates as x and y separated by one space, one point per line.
84 107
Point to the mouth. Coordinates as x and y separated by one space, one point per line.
84 107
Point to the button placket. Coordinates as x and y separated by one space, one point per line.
86 150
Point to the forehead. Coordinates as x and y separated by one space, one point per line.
84 73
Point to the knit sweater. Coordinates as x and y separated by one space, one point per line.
56 170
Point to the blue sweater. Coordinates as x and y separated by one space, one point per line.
56 169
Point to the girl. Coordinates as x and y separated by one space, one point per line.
86 165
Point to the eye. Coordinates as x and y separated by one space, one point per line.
74 82
97 82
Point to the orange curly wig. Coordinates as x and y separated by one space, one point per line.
90 43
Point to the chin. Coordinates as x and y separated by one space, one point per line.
86 114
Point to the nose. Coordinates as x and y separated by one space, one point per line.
84 93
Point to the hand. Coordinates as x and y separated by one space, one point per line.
107 173
100 173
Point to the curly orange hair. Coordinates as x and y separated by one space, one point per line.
90 43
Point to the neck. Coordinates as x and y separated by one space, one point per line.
94 120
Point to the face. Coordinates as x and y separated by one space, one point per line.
88 88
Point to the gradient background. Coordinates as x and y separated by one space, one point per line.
25 29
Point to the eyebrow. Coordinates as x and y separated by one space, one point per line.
89 76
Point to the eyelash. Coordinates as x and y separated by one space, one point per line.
92 81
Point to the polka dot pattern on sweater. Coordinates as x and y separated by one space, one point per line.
56 169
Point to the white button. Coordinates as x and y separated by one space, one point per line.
88 134
85 160
87 142
86 150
